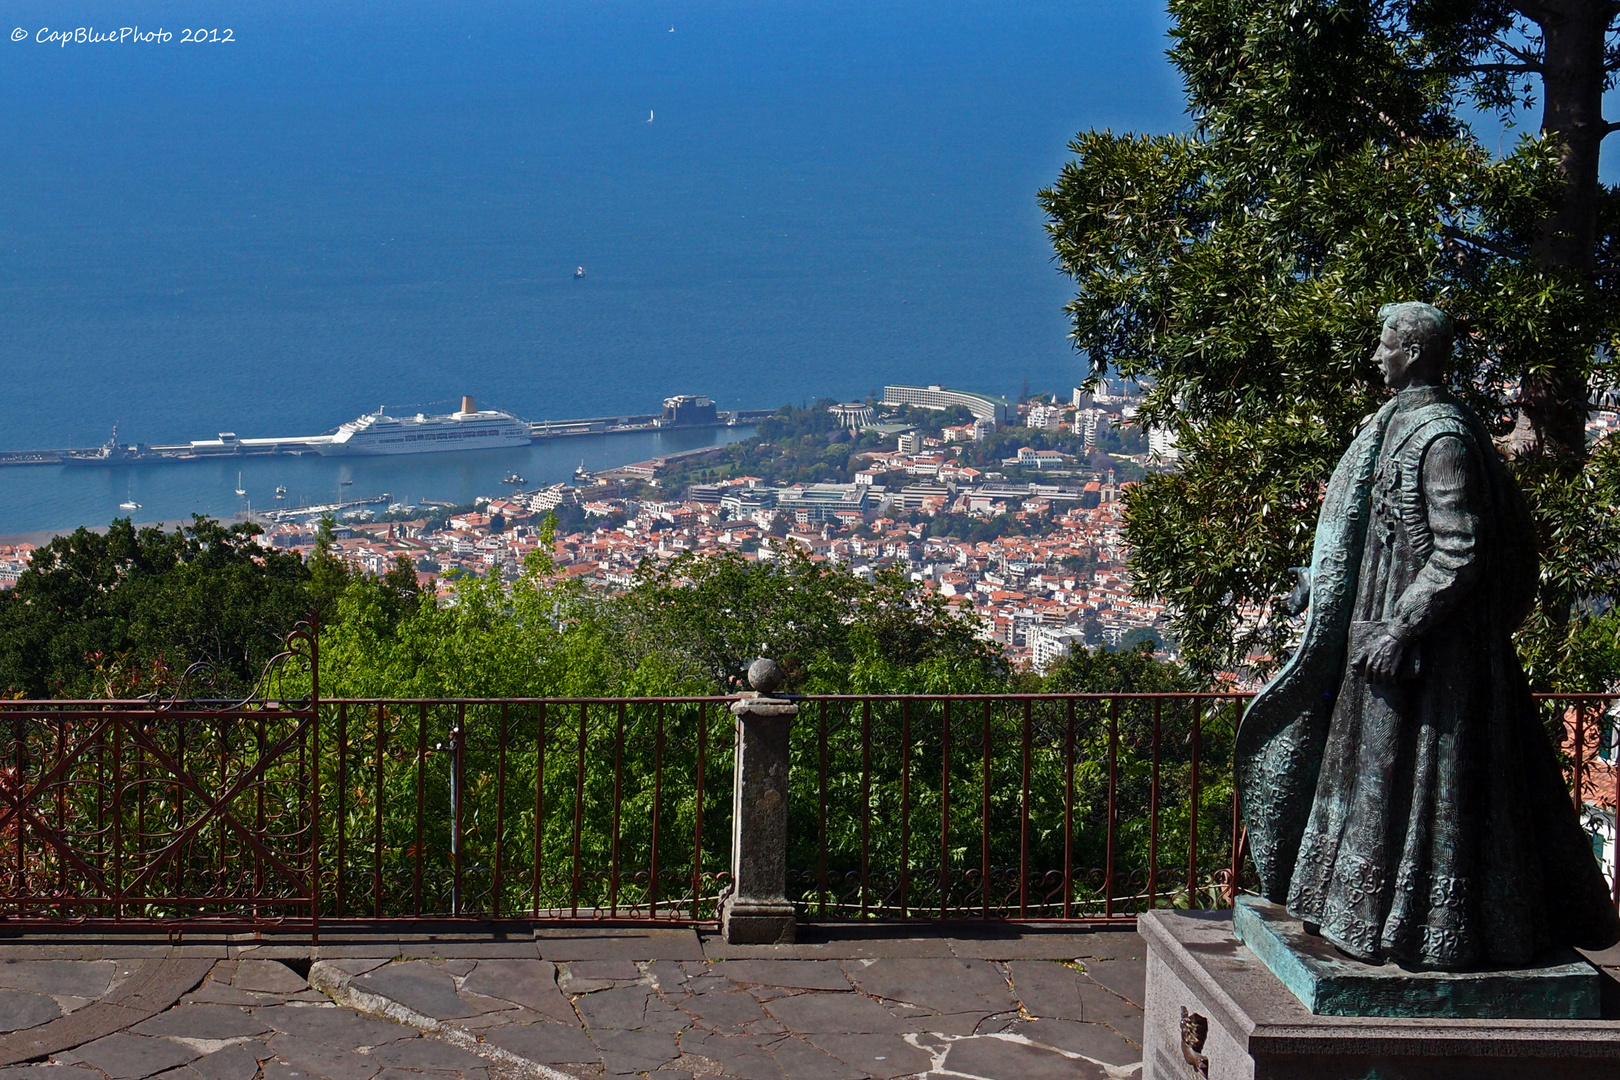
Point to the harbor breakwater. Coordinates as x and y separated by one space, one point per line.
228 445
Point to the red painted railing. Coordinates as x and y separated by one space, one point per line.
1081 808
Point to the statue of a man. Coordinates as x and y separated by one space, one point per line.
1400 792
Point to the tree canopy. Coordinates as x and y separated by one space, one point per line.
128 611
1336 162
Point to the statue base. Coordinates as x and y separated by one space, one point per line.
1329 983
1215 1010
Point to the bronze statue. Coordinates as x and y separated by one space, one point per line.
1400 793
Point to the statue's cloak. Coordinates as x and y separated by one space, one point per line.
1284 729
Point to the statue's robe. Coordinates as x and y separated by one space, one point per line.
1424 821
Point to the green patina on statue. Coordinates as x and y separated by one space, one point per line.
1399 790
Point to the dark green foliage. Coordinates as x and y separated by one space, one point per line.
703 618
127 612
1129 670
977 530
793 422
813 455
1238 269
329 575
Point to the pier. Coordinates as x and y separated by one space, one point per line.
228 445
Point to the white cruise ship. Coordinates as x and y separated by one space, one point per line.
469 429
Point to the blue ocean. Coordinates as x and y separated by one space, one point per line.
320 208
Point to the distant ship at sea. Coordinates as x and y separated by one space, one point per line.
469 429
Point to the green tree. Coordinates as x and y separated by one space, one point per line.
329 574
1236 269
128 612
699 620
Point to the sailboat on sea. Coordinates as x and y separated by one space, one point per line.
130 503
240 490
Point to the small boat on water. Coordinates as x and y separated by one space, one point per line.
240 490
129 504
579 272
281 492
514 478
344 483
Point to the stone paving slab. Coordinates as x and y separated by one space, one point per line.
789 974
137 992
840 943
70 978
1012 1060
1126 976
1050 944
938 984
651 943
575 1003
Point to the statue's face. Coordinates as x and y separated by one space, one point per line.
1396 360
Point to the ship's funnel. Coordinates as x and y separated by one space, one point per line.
467 405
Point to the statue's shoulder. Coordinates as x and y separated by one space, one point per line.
1445 417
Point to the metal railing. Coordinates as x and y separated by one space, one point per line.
1078 807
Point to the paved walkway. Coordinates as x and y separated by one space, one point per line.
667 1003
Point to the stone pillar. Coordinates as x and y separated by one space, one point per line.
755 909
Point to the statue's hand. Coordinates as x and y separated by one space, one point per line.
1381 659
1300 598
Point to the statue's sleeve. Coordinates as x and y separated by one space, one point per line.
1450 483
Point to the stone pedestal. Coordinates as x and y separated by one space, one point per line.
755 910
1215 1010
1330 984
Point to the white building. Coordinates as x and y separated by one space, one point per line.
854 415
984 406
1086 423
1045 417
1162 444
1040 459
1051 644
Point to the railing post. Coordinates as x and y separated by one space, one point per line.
755 909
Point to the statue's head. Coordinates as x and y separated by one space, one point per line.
1415 345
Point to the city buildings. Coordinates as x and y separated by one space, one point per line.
1037 595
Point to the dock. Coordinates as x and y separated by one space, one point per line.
228 445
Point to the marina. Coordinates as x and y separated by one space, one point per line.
380 434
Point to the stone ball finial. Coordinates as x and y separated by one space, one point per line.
765 676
